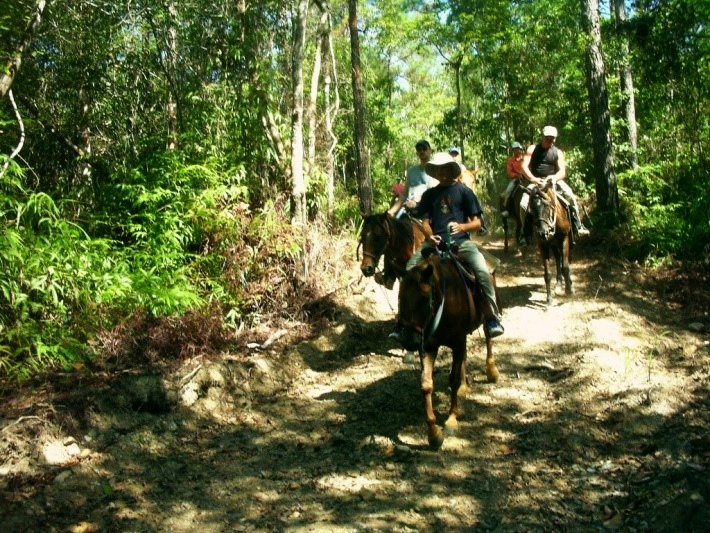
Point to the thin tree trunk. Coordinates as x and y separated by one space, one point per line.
298 189
363 175
626 83
459 112
13 65
331 112
172 105
605 178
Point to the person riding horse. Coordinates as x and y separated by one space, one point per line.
514 168
545 163
452 210
417 182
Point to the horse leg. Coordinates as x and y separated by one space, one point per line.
434 433
558 271
457 384
491 369
548 276
505 234
566 272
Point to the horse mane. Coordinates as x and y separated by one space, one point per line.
402 230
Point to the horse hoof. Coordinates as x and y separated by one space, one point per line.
569 291
408 358
492 375
451 427
436 440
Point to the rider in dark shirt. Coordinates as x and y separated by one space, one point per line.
545 163
452 210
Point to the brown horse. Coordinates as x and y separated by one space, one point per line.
438 308
394 238
513 208
554 237
469 178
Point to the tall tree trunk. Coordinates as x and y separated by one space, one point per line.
605 178
331 112
298 189
313 95
626 83
172 56
13 65
363 175
459 112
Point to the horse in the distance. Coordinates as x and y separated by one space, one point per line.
553 234
437 308
395 239
513 208
469 178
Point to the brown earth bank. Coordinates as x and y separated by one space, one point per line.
599 422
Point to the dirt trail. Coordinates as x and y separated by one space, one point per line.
600 421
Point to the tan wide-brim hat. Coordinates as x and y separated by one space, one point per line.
442 159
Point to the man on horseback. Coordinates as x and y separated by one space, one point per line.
515 172
451 210
417 182
544 164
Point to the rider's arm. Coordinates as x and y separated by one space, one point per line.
429 233
395 207
473 224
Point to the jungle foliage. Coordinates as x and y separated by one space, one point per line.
149 175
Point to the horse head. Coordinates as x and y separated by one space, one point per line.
374 237
544 211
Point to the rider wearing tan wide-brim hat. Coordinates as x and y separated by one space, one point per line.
451 211
444 161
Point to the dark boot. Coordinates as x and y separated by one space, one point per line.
579 228
492 326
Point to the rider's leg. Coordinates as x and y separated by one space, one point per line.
469 254
506 197
566 191
526 217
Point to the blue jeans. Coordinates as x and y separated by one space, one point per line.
473 258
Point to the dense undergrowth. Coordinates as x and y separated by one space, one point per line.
182 251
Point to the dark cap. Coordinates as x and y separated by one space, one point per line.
422 144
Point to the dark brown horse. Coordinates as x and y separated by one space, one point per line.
553 234
394 238
513 208
438 308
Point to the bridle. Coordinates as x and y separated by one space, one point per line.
376 255
548 223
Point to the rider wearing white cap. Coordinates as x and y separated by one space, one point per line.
544 162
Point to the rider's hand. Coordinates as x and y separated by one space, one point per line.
454 228
435 239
